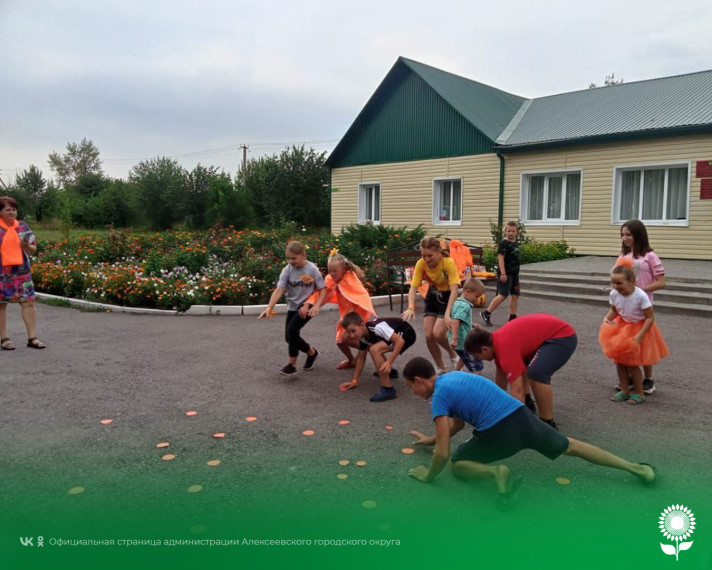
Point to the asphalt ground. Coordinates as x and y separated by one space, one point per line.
145 372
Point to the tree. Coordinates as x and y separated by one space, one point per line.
610 81
292 186
160 187
79 160
29 187
196 184
227 203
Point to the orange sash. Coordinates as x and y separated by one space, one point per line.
10 250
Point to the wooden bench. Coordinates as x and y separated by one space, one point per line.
400 265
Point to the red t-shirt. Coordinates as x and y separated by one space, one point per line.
516 342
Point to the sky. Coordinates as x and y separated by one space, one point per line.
194 80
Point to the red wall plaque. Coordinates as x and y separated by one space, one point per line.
704 169
706 189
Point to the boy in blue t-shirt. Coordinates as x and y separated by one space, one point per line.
461 323
502 427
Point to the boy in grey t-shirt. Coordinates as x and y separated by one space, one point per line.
298 280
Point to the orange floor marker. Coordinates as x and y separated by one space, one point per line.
344 422
162 444
361 463
106 422
344 462
250 418
195 488
563 480
219 434
408 450
168 457
308 432
342 476
389 428
369 504
191 413
76 490
213 462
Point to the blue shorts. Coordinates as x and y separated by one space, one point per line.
509 287
551 356
472 363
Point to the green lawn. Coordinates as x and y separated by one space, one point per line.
44 235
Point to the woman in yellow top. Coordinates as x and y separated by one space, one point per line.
439 271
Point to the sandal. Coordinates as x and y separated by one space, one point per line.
636 400
6 344
34 342
619 397
505 500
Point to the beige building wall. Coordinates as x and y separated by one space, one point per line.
596 235
407 194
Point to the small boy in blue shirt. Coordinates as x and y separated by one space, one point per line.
502 427
461 323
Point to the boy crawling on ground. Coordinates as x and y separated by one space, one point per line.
378 337
503 427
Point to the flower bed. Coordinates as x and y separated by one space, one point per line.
177 269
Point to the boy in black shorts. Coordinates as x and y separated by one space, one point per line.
378 337
507 274
503 427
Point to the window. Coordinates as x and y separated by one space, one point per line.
447 201
551 198
651 194
369 203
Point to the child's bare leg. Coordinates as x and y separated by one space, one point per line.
622 372
544 396
637 376
473 470
440 332
378 353
431 341
460 365
594 454
647 371
496 302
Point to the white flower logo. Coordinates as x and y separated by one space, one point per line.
677 523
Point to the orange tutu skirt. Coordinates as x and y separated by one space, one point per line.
617 343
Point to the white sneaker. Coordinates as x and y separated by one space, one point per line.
454 361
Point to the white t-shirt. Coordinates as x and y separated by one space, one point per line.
631 307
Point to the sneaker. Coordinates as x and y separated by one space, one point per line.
454 360
512 317
551 422
309 364
393 374
383 394
486 318
288 370
529 403
648 386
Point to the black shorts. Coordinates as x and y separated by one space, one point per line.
551 356
408 336
436 303
519 430
510 286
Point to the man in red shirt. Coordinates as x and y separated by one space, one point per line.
527 351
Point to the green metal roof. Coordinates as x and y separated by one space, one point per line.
419 112
653 107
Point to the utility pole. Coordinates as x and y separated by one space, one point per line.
244 148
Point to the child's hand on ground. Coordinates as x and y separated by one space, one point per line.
420 473
266 313
348 385
408 314
422 438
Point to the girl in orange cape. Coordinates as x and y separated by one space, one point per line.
344 287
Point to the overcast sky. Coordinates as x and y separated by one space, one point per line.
193 80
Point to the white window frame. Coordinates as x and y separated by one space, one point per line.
437 189
524 197
363 215
616 194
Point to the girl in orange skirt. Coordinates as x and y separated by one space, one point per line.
629 334
344 287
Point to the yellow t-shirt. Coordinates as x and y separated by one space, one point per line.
442 276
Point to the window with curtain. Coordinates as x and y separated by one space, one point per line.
551 198
651 194
447 201
369 203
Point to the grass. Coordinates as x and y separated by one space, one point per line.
51 234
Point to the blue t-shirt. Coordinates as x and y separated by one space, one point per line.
477 400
